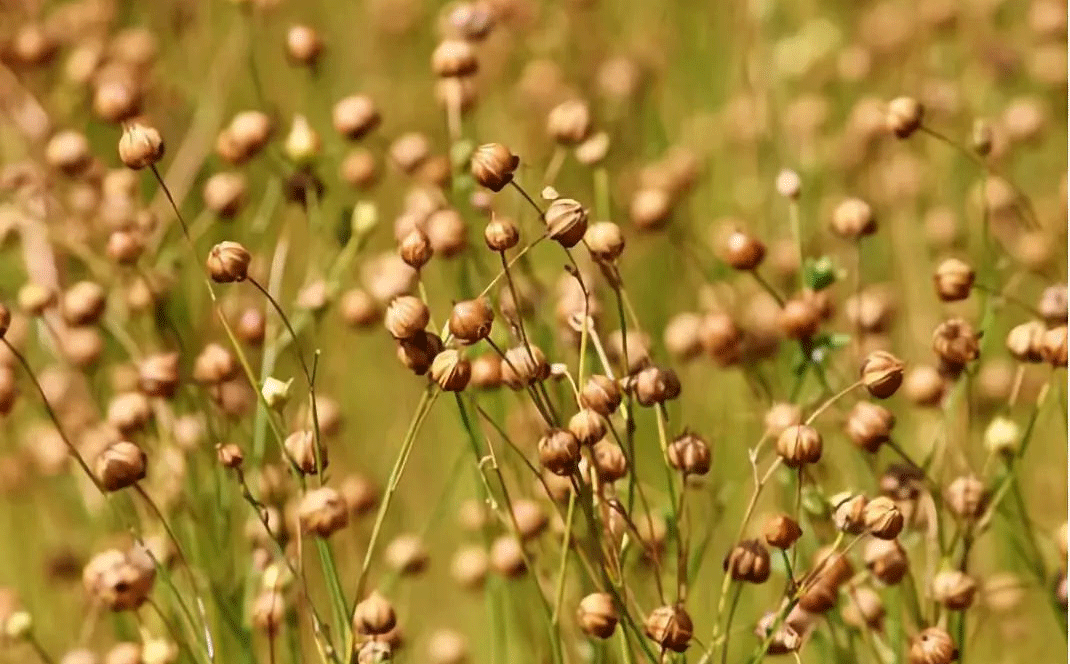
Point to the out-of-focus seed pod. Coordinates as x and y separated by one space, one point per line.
140 146
1024 341
451 370
158 375
374 615
953 280
559 451
789 184
966 497
655 385
799 318
650 209
358 309
225 193
69 152
780 416
1053 347
493 165
748 561
781 531
447 232
601 394
743 251
419 351
954 589
670 627
882 518
454 58
853 219
881 373
886 560
33 299
322 512
981 137
83 303
359 169
302 143
609 461
831 567
869 426
932 646
469 566
129 412
507 557
410 151
786 639
904 116
229 455
355 116
268 611
120 465
605 241
587 426
415 249
530 518
924 385
486 371
1052 305
597 615
524 366
303 450
819 597
304 45
864 609
215 364
799 444
956 342
228 262
689 454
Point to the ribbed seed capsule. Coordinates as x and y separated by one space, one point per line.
597 615
799 444
670 627
689 454
559 451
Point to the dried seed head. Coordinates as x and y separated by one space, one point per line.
359 169
569 122
886 560
530 518
956 343
406 317
1052 304
415 249
419 351
129 412
904 116
121 581
689 454
650 208
609 461
1024 341
355 116
924 385
655 385
471 320
69 152
247 134
781 531
566 221
469 566
743 251
670 627
215 364
786 638
587 426
683 336
229 455
358 309
864 609
507 557
322 512
125 247
799 318
881 373
83 303
748 561
225 193
409 151
605 241
954 589
601 395
819 597
524 366
228 262
454 58
559 451
966 497
303 45
848 513
447 232
140 146
493 165
1002 436
374 615
593 150
303 451
120 465
789 184
1053 346
882 518
597 615
799 444
869 426
953 280
932 646
451 370
853 219
158 375
487 371
501 234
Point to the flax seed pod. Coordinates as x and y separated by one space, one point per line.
886 560
689 454
924 386
419 351
904 116
228 262
782 532
305 452
501 234
799 318
566 221
748 561
597 615
587 426
140 146
559 451
882 518
932 646
609 461
83 303
956 343
374 615
869 426
848 513
406 554
492 166
799 445
743 251
1053 346
953 280
415 249
655 385
966 497
954 589
507 557
524 366
451 370
853 219
120 465
322 512
406 317
670 627
355 116
650 209
225 193
471 320
601 394
569 123
304 46
605 241
881 373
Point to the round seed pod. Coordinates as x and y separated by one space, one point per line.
225 193
601 394
507 557
83 303
302 145
670 627
932 646
956 343
864 609
881 373
501 234
406 554
140 146
447 232
229 455
446 646
415 249
689 454
781 531
869 426
597 615
966 497
268 611
799 318
566 221
587 426
374 615
848 513
593 150
406 317
129 412
451 370
493 165
33 299
1053 305
853 219
650 208
249 132
322 512
358 309
486 371
799 444
302 449
886 560
789 184
304 45
605 241
125 247
524 366
213 365
116 98
355 116
780 416
454 58
1024 341
569 123
359 169
410 151
609 461
418 352
819 597
469 566
158 375
559 451
882 518
954 589
743 251
748 561
924 386
655 385
953 280
904 116
1053 346
786 639
530 518
120 465
68 151
832 567
471 320
228 262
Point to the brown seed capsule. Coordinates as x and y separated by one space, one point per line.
451 370
924 385
415 249
853 219
886 560
303 44
471 320
358 309
780 416
447 232
601 395
832 567
605 241
83 303
501 234
881 373
609 461
799 318
597 615
799 444
569 122
869 426
1052 304
469 566
454 58
655 385
966 497
125 247
587 426
493 165
374 615
140 146
406 317
650 208
781 531
359 169
355 116
819 597
689 454
507 557
229 455
228 262
932 646
748 561
682 336
530 518
954 589
953 280
225 193
904 116
883 518
268 611
670 627
864 609
956 342
743 251
559 451
215 364
158 375
566 221
848 514
1053 346
486 371
418 352
120 465
249 131
129 412
524 366
1024 341
69 152
121 581
322 512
